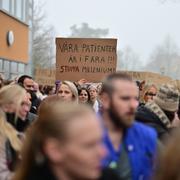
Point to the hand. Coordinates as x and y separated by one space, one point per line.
82 81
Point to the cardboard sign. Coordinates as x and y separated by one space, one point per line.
45 76
87 58
149 77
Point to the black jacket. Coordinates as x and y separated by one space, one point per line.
144 115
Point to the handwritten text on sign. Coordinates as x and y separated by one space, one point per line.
79 58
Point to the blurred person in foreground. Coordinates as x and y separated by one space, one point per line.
1 82
15 102
14 106
60 147
131 146
169 161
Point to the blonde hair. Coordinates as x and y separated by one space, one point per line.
11 94
146 88
73 89
7 131
52 122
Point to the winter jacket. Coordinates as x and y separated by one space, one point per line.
147 117
140 143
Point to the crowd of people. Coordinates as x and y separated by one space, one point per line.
115 129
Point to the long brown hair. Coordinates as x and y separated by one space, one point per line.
54 117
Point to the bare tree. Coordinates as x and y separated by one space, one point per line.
84 31
43 44
128 60
165 58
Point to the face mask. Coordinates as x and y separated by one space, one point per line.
11 118
16 122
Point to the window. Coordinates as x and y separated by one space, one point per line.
6 69
6 5
21 68
12 7
14 67
0 4
30 9
30 23
19 9
1 65
6 66
24 2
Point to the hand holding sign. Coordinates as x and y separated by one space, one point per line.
82 81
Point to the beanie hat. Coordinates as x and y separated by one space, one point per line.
167 98
92 86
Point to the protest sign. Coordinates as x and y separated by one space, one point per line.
45 76
87 58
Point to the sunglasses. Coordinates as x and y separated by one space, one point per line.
150 94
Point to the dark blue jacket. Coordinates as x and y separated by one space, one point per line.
140 143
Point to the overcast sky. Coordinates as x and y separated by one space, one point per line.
141 24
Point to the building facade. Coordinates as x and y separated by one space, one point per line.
15 37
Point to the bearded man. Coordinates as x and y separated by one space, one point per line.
131 146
